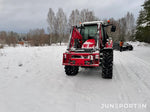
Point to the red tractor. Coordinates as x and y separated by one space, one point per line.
89 46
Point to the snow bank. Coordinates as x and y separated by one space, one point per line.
137 43
58 44
144 24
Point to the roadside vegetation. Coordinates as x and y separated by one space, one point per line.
128 29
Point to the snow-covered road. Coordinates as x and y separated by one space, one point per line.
32 79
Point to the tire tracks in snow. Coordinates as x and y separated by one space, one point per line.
134 76
118 68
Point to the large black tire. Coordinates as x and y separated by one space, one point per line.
107 64
71 70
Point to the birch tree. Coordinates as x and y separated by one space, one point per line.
51 19
61 24
87 15
74 18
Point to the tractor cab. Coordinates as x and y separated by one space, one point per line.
85 37
88 36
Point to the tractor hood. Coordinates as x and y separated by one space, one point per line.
90 43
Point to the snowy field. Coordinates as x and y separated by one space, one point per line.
32 79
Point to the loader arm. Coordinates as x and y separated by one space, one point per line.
75 37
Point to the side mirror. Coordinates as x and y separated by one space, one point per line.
113 28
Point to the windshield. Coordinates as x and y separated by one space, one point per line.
89 32
125 43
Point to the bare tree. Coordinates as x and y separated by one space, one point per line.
87 15
74 18
3 36
61 23
51 19
37 37
130 26
12 38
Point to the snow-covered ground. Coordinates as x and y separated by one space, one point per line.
32 79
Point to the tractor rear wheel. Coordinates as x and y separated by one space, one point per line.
71 70
107 64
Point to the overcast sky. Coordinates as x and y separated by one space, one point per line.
22 15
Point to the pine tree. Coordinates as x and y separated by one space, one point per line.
143 23
147 10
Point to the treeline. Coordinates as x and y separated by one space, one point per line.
9 38
59 24
125 28
35 37
59 27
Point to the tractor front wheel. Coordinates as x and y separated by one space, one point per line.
71 70
107 64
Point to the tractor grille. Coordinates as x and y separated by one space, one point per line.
75 56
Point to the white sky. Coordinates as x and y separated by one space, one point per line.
22 15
